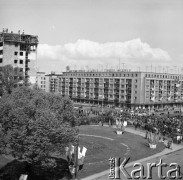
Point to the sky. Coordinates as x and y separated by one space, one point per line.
98 34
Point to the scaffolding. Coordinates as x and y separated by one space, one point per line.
28 43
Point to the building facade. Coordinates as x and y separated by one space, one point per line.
41 80
19 50
48 82
122 88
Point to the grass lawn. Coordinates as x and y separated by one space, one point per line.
100 149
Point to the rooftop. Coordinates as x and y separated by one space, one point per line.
18 37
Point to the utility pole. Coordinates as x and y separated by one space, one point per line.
119 63
123 65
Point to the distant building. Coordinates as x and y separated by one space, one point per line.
19 50
48 82
41 80
122 88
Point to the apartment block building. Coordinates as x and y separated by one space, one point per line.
48 82
19 50
122 88
41 80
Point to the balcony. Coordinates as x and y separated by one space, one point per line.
27 69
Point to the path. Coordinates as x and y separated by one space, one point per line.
165 154
127 147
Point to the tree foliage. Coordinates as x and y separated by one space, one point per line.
9 78
34 125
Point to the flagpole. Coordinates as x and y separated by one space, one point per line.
76 158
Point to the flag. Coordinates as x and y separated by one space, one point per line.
81 157
84 151
70 153
23 177
153 98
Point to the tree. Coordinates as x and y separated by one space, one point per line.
10 78
35 125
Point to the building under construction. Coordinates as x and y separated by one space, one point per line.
19 50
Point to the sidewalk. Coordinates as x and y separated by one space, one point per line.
105 174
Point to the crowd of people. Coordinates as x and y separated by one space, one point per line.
163 125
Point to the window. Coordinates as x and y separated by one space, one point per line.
1 60
21 69
21 53
1 44
15 61
21 61
135 86
1 52
136 80
15 53
136 75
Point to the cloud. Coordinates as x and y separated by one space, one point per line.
86 52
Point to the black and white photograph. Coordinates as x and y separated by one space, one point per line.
91 89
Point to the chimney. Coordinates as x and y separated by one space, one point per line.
18 31
11 32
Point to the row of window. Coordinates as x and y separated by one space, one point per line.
102 74
20 53
43 82
163 76
148 86
20 61
162 81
